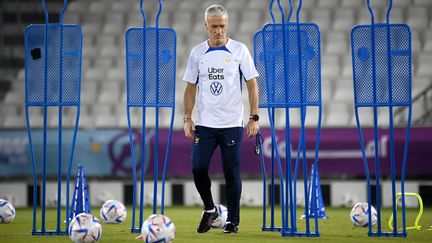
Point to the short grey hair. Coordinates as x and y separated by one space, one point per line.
215 10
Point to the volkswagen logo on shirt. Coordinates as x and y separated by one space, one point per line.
216 88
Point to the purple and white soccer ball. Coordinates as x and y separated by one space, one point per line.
158 228
360 215
7 212
85 228
113 212
220 221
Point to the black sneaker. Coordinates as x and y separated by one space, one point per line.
230 228
206 221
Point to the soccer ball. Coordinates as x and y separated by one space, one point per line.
7 212
85 228
360 215
220 221
158 228
113 212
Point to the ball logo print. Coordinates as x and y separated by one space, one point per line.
216 88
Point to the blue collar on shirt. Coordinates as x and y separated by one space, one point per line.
220 48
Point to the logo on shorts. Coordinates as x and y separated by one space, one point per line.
216 88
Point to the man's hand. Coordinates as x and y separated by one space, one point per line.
252 128
189 128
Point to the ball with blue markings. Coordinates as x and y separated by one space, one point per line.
85 227
360 214
158 228
7 212
113 212
220 221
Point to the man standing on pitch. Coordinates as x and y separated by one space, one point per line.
214 74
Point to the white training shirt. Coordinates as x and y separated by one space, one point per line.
218 73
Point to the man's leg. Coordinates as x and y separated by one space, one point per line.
204 144
203 148
230 143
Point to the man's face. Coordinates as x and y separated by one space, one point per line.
217 29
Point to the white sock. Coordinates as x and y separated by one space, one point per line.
211 210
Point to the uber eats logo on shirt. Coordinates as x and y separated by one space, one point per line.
215 73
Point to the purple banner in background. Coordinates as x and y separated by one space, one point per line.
106 153
339 155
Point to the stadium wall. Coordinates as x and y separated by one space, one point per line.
336 193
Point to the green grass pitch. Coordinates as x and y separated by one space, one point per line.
338 228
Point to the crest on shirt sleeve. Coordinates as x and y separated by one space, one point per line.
228 60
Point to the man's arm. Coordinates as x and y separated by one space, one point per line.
188 104
252 126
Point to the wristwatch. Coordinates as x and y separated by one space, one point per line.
254 117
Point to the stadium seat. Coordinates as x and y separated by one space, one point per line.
235 5
77 7
103 64
424 65
115 18
308 4
417 18
99 7
116 75
189 5
14 98
109 51
347 71
109 93
401 3
93 75
86 122
322 17
326 90
182 21
121 6
328 4
365 116
113 28
415 42
353 4
9 109
337 43
427 47
337 115
425 3
250 21
418 110
89 51
105 121
280 119
344 19
330 67
88 97
257 5
396 16
364 17
135 117
12 122
312 117
344 91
